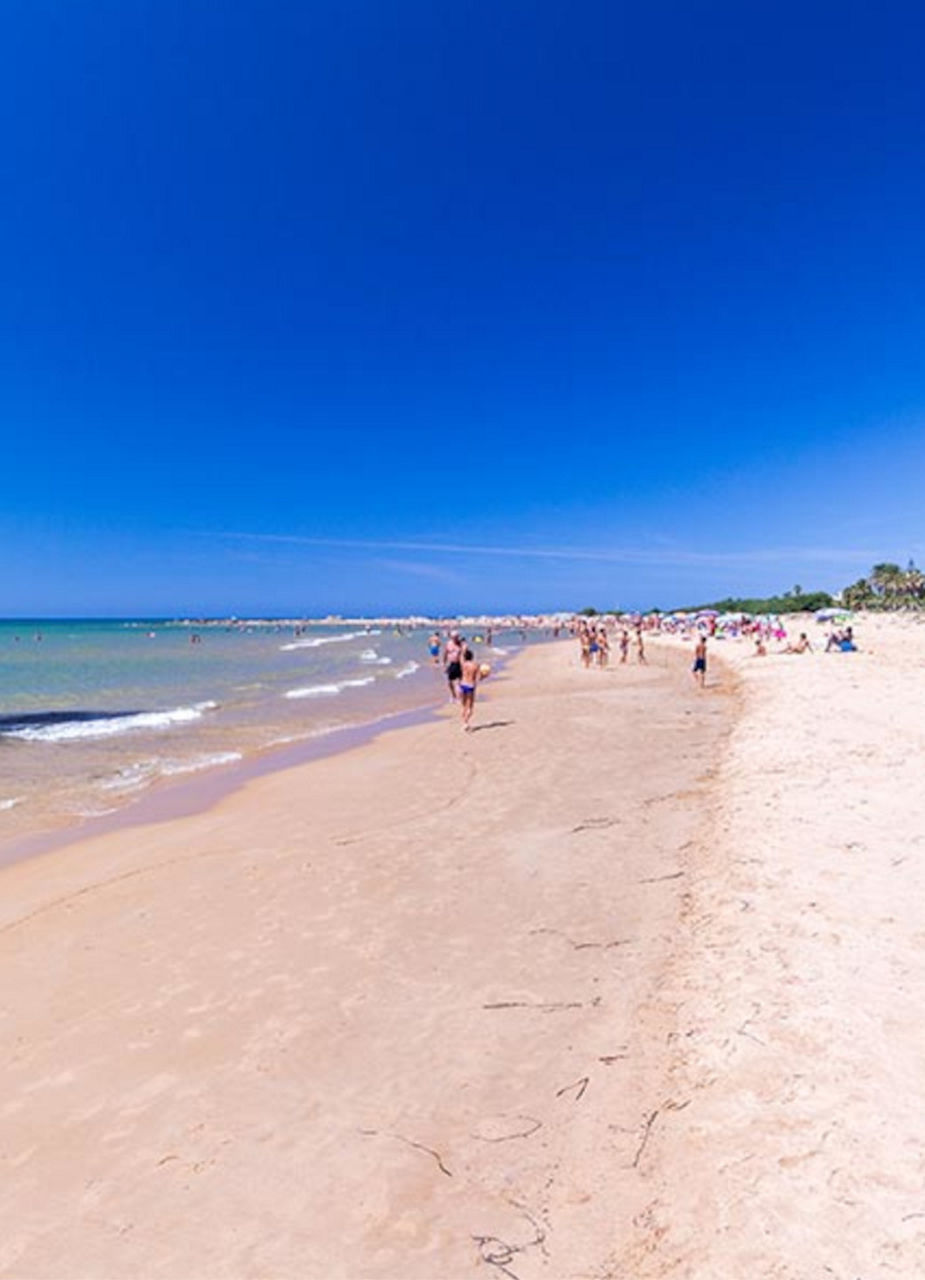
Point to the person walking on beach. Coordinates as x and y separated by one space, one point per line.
640 647
452 662
434 647
624 644
699 668
471 674
584 639
603 647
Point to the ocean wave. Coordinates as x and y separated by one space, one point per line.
407 670
139 775
10 804
328 690
307 736
371 657
315 642
71 726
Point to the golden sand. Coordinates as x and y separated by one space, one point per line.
624 984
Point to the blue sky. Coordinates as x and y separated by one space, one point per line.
323 307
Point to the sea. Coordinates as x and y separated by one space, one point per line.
95 713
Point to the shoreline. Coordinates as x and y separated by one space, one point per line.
367 1015
165 799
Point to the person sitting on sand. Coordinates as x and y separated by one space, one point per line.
761 649
802 645
471 674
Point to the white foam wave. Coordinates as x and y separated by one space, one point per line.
80 730
315 642
10 804
135 776
371 656
407 670
495 648
328 690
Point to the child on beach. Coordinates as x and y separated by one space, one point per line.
699 669
471 674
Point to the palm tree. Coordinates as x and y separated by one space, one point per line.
887 581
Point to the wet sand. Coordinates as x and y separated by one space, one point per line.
402 1011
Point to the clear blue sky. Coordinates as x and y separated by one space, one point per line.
420 305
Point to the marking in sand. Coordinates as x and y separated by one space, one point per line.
418 1146
582 946
553 1006
532 1125
581 1085
498 1253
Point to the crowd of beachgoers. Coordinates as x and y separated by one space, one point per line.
600 635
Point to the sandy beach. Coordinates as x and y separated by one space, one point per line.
798 1054
624 984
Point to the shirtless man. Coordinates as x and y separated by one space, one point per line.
699 668
452 662
624 644
603 647
802 645
471 675
640 647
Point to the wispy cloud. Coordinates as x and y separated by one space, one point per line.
419 569
659 555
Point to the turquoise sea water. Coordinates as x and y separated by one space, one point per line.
92 713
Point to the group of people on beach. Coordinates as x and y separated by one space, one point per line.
594 642
462 670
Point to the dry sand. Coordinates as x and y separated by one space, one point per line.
798 986
597 991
